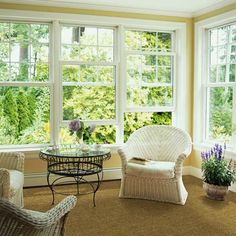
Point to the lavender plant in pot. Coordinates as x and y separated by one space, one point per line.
217 172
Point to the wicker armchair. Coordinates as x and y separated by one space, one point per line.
17 221
160 177
12 177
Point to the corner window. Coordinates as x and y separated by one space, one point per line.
220 86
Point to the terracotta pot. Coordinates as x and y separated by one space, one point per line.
215 192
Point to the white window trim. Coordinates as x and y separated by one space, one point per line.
200 75
180 115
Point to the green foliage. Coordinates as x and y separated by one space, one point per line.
31 105
217 172
221 113
136 120
23 111
10 110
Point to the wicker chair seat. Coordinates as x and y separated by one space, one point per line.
152 169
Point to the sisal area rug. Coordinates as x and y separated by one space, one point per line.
113 216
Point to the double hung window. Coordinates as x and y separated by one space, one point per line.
88 65
150 89
221 84
117 77
25 86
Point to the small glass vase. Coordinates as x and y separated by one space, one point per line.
79 140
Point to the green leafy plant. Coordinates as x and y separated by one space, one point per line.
216 170
81 131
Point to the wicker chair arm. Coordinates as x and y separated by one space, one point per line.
12 160
38 219
4 183
180 160
125 154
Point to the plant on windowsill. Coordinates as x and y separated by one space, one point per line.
217 172
81 131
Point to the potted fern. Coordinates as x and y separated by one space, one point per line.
217 172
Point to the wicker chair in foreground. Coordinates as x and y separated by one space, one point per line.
16 221
158 174
12 177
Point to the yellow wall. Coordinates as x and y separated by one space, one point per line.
33 164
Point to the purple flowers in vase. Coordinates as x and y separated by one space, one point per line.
82 131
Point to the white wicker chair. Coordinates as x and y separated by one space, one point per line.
160 178
12 177
16 221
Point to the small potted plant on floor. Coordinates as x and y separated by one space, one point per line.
217 172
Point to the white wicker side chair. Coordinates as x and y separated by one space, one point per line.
159 178
12 177
16 221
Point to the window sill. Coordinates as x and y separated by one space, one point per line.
36 149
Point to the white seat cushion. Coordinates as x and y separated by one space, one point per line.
16 179
152 169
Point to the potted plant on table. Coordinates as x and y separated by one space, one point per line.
217 172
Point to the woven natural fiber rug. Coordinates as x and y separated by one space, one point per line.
113 216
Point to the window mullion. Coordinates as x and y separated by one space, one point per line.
57 99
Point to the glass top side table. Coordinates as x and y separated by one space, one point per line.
70 161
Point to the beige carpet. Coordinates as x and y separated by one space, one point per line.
128 217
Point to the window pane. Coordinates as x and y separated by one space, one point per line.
213 74
164 74
105 54
103 134
136 120
20 33
148 40
133 40
148 97
24 115
26 54
4 72
39 53
220 113
19 71
39 72
39 33
4 32
232 73
70 52
4 52
89 103
105 37
164 41
88 36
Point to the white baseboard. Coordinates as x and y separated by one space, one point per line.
40 179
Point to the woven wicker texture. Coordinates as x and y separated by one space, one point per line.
12 177
156 143
16 221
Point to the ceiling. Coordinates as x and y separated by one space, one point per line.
165 7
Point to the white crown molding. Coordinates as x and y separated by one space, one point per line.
100 7
213 7
129 9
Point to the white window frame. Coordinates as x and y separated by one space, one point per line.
180 115
47 84
201 78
